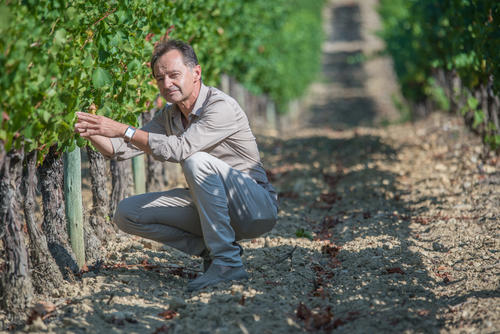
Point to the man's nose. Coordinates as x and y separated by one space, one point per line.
167 82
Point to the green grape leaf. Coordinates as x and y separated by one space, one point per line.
5 17
472 102
101 78
60 37
478 118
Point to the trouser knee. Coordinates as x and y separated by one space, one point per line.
196 162
122 217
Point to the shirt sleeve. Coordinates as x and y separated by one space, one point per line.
123 151
216 122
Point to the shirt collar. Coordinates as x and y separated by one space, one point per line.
198 105
200 101
197 109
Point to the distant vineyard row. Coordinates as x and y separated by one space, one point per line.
447 52
58 57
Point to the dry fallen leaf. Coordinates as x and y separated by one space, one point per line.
168 314
162 329
395 270
41 310
303 312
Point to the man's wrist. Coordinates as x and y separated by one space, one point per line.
129 134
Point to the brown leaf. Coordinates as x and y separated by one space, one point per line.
303 312
332 180
147 265
330 198
320 292
162 329
322 318
168 314
395 270
338 323
41 310
423 313
422 220
84 269
288 194
446 276
242 300
182 273
330 250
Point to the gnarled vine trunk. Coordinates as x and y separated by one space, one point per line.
121 175
45 274
54 223
98 229
15 285
156 178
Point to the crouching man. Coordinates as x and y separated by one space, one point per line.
229 197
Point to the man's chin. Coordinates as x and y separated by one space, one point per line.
173 99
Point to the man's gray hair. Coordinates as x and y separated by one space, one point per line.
188 54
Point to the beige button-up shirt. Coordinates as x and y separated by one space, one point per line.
217 125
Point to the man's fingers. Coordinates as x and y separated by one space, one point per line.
87 117
88 133
87 125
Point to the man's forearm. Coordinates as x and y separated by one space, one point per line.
103 145
99 129
140 140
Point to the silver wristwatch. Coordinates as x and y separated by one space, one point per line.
129 133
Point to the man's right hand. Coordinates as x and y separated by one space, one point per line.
98 129
90 125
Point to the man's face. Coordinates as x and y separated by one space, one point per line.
175 80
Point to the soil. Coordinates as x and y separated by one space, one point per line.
382 228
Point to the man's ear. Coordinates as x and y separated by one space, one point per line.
197 73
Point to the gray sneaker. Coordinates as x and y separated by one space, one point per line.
217 273
207 260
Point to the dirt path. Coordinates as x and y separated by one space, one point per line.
381 229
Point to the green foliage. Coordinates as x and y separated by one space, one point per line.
58 57
453 35
301 233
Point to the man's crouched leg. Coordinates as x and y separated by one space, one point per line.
168 217
231 206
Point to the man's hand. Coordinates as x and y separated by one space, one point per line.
89 125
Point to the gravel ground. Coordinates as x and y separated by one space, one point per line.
381 228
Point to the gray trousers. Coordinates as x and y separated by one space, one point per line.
222 205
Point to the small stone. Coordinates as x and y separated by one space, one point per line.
37 326
176 303
440 167
147 244
70 322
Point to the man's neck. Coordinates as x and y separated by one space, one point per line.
187 105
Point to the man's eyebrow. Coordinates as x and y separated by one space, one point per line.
166 72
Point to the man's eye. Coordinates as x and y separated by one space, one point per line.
159 79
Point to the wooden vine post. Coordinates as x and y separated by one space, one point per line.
73 200
139 170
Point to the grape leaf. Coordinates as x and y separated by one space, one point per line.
101 78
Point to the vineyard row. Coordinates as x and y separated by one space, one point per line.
445 54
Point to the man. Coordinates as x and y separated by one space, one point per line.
229 197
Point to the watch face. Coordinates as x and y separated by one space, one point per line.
129 134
